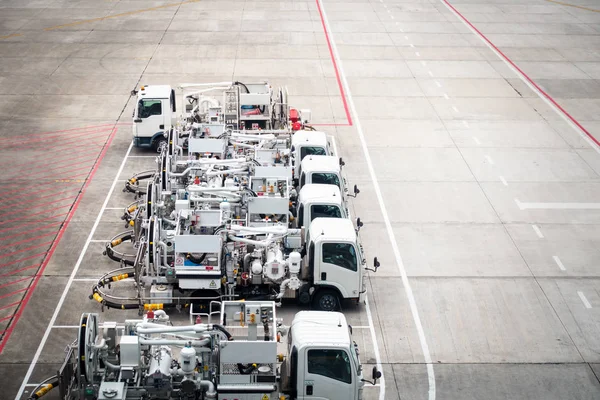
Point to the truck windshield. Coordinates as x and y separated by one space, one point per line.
326 178
334 364
325 211
148 107
340 254
311 150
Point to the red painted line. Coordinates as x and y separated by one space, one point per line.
33 215
25 249
10 305
89 161
335 67
45 162
20 270
71 140
31 197
12 294
52 137
5 318
26 240
20 185
19 210
546 95
6 335
21 259
17 281
74 129
32 222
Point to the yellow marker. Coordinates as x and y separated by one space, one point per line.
132 222
116 242
148 307
119 277
98 298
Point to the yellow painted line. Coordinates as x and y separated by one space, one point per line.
9 36
574 5
86 21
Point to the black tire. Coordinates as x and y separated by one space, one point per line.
158 142
326 300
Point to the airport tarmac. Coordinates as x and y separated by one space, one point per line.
470 126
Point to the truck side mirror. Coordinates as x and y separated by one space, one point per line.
355 190
134 92
137 120
359 224
375 374
375 265
342 163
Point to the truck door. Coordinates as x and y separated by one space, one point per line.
339 264
150 117
328 375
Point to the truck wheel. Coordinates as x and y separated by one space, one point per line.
326 300
158 142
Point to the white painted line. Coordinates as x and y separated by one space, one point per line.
489 160
503 180
477 142
455 109
65 327
520 75
394 244
85 280
585 301
391 16
557 206
71 279
466 123
446 96
361 327
405 37
32 385
114 208
401 30
537 231
438 84
411 45
430 73
423 63
418 54
559 263
99 240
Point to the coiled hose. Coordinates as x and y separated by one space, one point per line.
133 184
43 388
114 255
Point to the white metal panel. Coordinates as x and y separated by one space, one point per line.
197 145
197 244
273 172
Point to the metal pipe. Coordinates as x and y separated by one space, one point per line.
199 343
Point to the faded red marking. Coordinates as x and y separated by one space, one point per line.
33 215
546 95
52 138
17 281
32 197
22 259
4 238
20 210
10 305
25 241
8 332
32 223
335 67
20 270
55 161
13 293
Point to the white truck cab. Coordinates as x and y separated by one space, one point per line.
305 143
153 115
322 360
324 170
334 263
319 200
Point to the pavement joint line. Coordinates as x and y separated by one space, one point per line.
489 160
477 142
394 244
557 206
71 279
584 300
538 231
573 5
559 263
503 180
86 21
